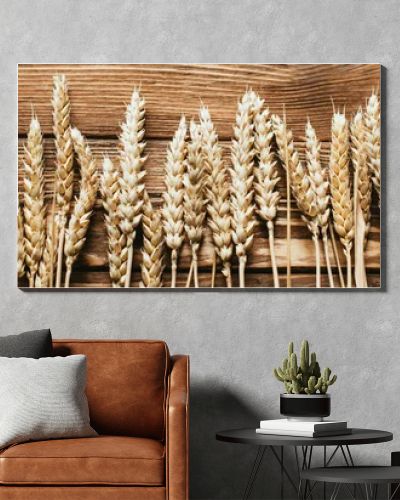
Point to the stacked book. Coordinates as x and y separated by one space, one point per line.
303 428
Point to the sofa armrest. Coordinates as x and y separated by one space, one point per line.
177 432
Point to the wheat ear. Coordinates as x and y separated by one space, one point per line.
34 206
284 140
242 157
64 162
318 177
75 235
132 168
297 182
21 244
193 198
340 186
266 179
172 211
218 194
153 245
117 250
43 278
306 199
373 138
301 184
362 195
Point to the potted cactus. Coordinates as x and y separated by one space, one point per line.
306 386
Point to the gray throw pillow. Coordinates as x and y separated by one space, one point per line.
33 344
43 399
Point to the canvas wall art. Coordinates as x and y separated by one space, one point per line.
199 176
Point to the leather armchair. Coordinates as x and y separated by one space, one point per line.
139 404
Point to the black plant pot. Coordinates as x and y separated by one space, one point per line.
300 406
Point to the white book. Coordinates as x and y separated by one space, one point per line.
311 434
300 425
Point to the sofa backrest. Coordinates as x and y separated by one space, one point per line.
126 386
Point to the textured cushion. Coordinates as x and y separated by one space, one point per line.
33 344
106 460
127 384
43 399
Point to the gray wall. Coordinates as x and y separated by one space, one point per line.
234 339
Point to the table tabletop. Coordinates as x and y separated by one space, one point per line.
358 436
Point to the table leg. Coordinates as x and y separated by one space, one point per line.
324 466
390 494
254 471
284 470
282 495
335 491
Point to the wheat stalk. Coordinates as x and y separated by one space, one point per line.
373 138
64 162
320 185
132 180
153 245
218 196
21 244
34 206
362 194
172 211
117 250
340 186
266 179
78 226
193 198
242 157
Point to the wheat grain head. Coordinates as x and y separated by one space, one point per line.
193 183
153 245
300 181
117 250
64 148
172 211
266 173
48 262
217 193
373 137
20 244
359 161
76 232
34 206
242 158
318 177
132 163
340 185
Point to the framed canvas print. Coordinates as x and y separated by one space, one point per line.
199 176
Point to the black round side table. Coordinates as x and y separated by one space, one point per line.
370 477
303 450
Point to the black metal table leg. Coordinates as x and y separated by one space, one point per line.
254 471
282 489
324 466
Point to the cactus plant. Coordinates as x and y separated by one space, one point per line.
304 377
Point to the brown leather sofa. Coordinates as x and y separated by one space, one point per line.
139 401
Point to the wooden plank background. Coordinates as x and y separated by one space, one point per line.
99 94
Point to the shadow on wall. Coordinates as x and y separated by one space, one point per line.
220 470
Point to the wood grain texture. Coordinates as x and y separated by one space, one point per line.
99 94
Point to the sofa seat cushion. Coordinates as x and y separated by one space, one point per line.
103 460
